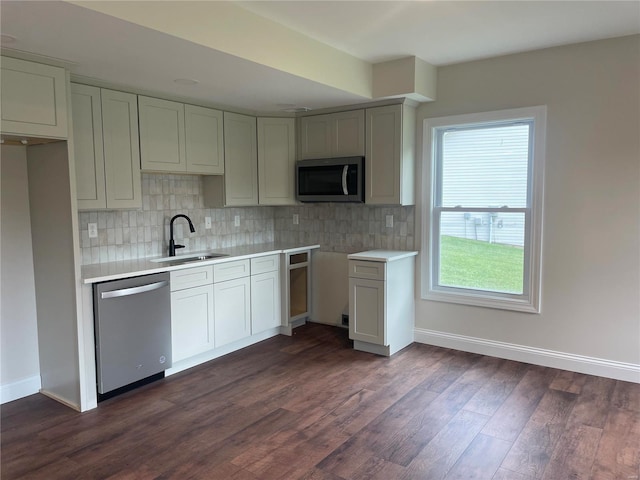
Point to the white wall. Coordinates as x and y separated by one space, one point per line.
591 241
19 367
55 270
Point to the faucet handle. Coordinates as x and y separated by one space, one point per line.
178 246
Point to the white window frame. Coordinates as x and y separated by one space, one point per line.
530 299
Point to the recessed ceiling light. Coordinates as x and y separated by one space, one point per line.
6 39
186 81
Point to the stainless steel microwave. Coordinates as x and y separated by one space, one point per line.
330 180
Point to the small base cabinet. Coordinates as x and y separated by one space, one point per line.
381 300
192 317
232 302
265 293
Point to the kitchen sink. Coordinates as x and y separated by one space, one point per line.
189 258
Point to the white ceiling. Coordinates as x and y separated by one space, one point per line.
126 54
446 32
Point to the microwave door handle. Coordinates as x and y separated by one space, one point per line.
345 190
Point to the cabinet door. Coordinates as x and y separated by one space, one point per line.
384 149
265 301
204 140
121 149
276 161
390 162
348 137
232 311
316 134
192 322
366 310
162 146
34 99
88 146
240 160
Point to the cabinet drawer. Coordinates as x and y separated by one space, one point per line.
230 270
191 277
369 270
268 263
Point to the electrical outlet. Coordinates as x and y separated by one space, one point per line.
296 219
207 222
93 230
236 220
389 221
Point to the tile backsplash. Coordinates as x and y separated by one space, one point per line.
130 234
347 227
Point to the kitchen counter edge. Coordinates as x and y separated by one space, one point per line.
382 255
104 272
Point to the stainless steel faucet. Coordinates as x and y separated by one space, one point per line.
172 244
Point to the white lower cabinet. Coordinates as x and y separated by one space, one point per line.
381 300
232 310
367 299
192 322
192 313
218 305
265 293
232 301
265 301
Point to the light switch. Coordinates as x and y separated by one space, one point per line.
207 222
389 222
296 219
93 230
236 221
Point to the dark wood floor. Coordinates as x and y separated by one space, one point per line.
310 407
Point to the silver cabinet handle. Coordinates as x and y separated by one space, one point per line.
134 290
345 190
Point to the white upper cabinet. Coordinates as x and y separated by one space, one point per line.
34 99
332 135
240 160
105 146
390 156
88 146
180 138
316 136
162 136
348 139
204 140
239 185
121 149
276 161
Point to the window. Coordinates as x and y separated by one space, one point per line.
483 204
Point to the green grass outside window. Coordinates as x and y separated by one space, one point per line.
480 265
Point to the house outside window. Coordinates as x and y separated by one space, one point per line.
483 203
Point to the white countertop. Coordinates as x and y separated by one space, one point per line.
381 255
102 272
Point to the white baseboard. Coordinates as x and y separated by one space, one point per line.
22 388
64 401
628 372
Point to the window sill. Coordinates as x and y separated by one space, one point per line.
485 300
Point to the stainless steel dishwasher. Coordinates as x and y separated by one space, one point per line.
133 330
